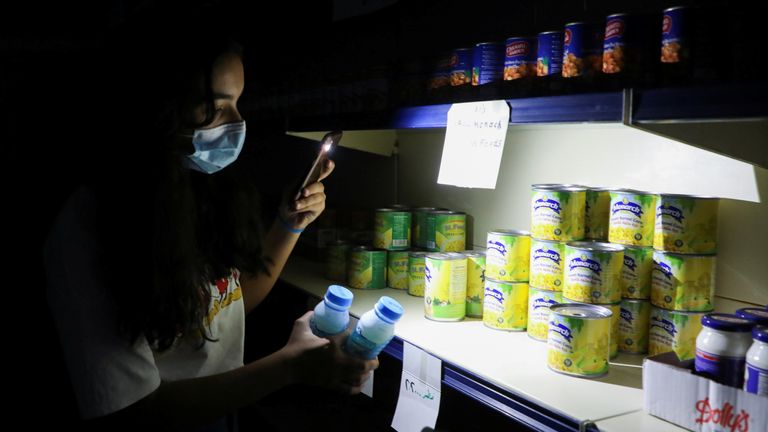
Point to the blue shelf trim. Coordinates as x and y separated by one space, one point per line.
592 107
514 407
701 103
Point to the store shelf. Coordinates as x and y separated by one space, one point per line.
505 371
696 104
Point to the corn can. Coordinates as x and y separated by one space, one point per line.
596 215
505 305
539 302
508 255
445 287
367 268
683 282
475 282
392 229
632 217
674 331
416 263
578 341
615 309
397 269
419 226
557 212
686 224
547 258
592 272
636 273
446 231
635 318
336 261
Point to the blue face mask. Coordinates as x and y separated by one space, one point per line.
216 148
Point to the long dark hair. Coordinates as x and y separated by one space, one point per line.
168 231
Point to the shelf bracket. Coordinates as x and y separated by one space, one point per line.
627 113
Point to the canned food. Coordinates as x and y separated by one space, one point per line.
475 282
505 305
441 74
520 58
686 224
461 66
539 302
582 49
445 288
636 273
508 255
367 268
683 282
392 229
674 331
615 43
557 212
675 46
632 217
592 272
487 63
635 317
546 261
416 263
597 214
579 339
549 57
420 226
336 261
397 269
615 309
446 231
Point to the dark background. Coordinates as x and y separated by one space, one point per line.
299 63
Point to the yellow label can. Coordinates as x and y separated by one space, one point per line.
635 318
445 287
632 216
392 229
578 342
683 282
508 255
597 210
539 302
636 273
592 272
546 261
367 268
557 212
505 306
446 231
674 331
686 224
397 269
475 282
416 263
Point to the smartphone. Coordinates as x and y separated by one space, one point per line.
327 144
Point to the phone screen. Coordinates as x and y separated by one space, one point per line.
327 144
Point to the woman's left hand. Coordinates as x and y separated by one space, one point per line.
311 202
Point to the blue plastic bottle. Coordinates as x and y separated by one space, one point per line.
331 315
375 329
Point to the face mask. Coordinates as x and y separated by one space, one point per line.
216 148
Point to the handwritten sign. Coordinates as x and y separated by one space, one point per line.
419 402
474 143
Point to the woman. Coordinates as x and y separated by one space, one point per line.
154 263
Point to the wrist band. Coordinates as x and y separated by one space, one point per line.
288 227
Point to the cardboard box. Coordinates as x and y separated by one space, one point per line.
674 393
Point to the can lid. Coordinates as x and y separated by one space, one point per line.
595 246
675 7
417 254
701 197
339 296
446 212
726 322
581 310
473 253
550 32
760 333
557 186
756 315
388 309
520 233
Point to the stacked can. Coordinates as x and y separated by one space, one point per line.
446 231
683 273
392 233
557 216
445 286
505 300
475 282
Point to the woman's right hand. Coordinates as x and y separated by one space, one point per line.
318 361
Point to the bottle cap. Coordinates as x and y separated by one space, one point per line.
339 296
388 309
726 322
754 314
760 333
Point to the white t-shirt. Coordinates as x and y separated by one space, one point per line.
107 372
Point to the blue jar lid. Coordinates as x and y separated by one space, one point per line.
388 309
339 296
756 315
760 333
727 322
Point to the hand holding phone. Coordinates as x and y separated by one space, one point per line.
328 143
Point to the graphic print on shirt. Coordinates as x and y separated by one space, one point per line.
224 291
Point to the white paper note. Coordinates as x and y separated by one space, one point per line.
419 402
474 143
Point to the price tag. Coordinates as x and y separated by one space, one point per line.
419 402
474 143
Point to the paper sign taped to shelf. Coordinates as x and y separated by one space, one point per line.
474 143
419 402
